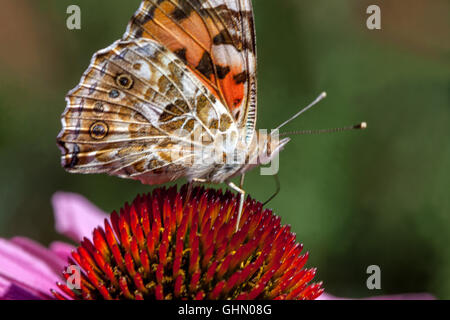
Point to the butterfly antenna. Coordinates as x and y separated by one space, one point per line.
322 96
360 126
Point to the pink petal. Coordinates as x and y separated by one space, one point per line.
327 296
53 260
28 265
4 285
75 216
13 291
61 249
407 296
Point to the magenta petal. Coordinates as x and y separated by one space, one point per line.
13 291
327 296
53 260
4 287
75 216
61 249
407 296
28 265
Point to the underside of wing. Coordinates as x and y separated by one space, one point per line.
216 40
137 113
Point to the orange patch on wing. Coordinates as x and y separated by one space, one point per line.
232 90
190 36
165 30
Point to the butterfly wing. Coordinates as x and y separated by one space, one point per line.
216 40
135 107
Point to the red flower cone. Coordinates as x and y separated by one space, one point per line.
163 247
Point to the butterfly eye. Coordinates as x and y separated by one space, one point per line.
124 81
98 130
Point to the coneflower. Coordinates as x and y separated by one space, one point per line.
164 247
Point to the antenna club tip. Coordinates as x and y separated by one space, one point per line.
323 95
362 126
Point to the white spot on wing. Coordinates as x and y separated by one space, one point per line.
144 72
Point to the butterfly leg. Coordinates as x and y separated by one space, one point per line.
277 191
241 183
241 200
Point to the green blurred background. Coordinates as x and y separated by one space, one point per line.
354 199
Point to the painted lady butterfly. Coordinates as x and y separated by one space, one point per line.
182 79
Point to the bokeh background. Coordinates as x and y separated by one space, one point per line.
354 199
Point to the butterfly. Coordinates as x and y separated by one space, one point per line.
181 82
